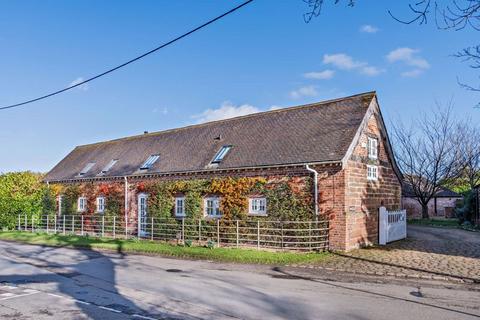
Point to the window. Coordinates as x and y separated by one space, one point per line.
82 204
100 204
150 161
142 205
212 207
180 207
221 154
257 206
372 172
109 166
86 168
372 148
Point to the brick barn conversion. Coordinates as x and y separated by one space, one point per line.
330 158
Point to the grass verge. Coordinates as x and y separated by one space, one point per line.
164 249
452 223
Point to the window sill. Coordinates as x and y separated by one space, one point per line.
257 214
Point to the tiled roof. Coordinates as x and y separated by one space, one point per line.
318 132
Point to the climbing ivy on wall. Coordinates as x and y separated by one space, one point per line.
287 198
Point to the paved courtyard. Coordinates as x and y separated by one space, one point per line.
428 252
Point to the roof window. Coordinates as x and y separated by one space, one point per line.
150 161
221 154
86 168
109 166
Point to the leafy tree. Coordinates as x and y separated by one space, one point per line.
20 193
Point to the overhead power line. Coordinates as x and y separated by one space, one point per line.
129 61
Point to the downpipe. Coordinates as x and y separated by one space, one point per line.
315 187
126 205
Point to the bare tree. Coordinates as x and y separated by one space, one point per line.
450 15
469 144
427 153
315 8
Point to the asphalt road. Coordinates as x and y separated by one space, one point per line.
59 283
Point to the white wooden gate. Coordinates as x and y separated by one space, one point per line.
392 225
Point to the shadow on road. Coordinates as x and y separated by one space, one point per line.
98 288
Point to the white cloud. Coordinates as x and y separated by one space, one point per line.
412 73
163 110
371 71
408 56
307 91
83 87
345 62
225 111
320 75
342 61
368 29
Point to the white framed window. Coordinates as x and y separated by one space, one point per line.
212 207
180 207
82 204
372 172
372 148
142 205
257 206
100 204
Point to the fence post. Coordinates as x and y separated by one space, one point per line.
383 226
63 225
82 226
258 234
47 224
218 233
139 225
281 224
32 223
19 223
151 236
73 224
183 230
310 235
126 227
114 227
26 223
103 226
199 230
237 233
55 221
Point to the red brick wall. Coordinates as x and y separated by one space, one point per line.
363 197
445 207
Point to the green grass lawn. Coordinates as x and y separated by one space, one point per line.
453 223
164 249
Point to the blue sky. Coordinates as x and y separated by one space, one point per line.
262 57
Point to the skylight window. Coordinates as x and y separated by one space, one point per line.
221 154
109 166
86 168
150 161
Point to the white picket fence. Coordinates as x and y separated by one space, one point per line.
392 225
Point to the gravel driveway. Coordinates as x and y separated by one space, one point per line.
428 252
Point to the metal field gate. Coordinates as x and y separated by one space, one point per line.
392 225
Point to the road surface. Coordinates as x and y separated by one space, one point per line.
59 283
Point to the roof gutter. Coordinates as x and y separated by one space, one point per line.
315 186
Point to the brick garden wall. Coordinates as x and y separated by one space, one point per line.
445 207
